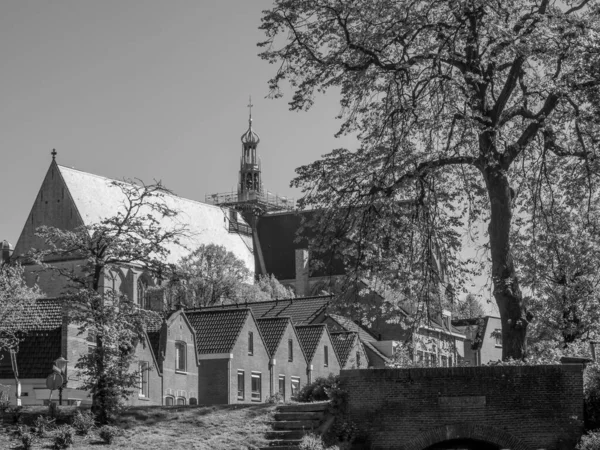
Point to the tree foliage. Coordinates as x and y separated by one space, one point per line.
134 237
469 308
465 110
16 301
212 275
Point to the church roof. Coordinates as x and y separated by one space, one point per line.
301 310
97 198
218 330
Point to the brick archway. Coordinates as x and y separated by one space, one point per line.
465 431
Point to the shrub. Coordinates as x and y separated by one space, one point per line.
590 441
317 390
108 433
591 395
17 414
42 425
275 398
83 422
27 439
314 442
4 400
63 437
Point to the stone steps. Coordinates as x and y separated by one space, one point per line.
292 422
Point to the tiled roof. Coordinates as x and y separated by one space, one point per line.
365 337
97 198
302 310
310 336
277 237
272 330
43 314
217 330
36 355
343 342
349 325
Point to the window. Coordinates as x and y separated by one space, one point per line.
449 361
193 401
142 286
180 354
143 379
444 361
256 386
250 343
290 350
358 360
241 391
498 335
169 401
295 386
180 401
282 385
326 356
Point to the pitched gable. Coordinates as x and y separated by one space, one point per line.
217 331
310 336
53 206
272 330
343 343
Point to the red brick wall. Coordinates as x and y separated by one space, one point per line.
213 381
514 407
318 361
296 368
186 383
258 362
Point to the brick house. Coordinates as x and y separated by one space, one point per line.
288 362
233 357
349 349
484 339
320 351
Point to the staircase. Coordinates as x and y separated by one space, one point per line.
294 421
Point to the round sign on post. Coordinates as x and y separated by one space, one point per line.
54 381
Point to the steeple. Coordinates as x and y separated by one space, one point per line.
250 182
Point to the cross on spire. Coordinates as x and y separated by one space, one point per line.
250 105
53 153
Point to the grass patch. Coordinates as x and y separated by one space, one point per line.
191 427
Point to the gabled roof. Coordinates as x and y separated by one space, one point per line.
43 314
96 198
217 330
343 343
302 311
365 337
310 336
272 330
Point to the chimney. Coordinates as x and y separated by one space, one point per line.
302 272
7 251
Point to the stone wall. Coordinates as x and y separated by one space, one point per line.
518 408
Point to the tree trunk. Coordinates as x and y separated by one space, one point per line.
507 293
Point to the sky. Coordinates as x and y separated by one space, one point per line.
150 89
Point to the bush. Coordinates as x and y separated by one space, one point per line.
590 441
42 425
17 414
317 390
108 433
27 439
314 442
63 437
84 422
275 398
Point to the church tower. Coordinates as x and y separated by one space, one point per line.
251 198
250 179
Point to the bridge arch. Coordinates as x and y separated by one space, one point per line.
475 432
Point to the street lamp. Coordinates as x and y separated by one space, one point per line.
60 366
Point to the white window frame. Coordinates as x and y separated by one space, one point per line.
178 345
256 396
243 385
144 388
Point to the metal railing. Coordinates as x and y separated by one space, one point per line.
267 198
